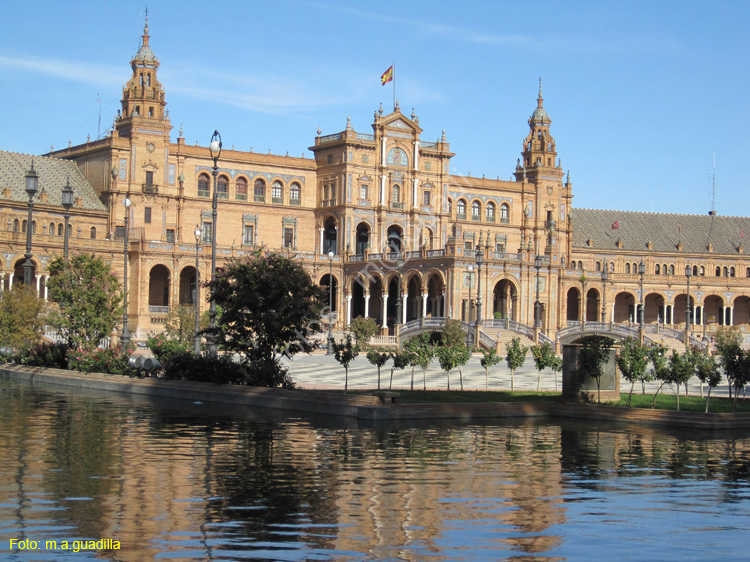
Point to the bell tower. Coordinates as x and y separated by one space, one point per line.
143 100
539 151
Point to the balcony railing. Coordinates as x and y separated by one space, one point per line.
150 188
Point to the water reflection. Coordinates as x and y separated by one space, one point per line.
194 482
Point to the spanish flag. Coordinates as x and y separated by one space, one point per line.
387 76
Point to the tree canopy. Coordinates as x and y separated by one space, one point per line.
21 316
89 299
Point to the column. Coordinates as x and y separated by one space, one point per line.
320 248
730 315
367 305
10 280
38 283
385 310
424 305
404 303
348 310
2 282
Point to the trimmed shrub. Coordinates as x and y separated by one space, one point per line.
52 355
112 360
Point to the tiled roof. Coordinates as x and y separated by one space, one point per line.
664 230
53 173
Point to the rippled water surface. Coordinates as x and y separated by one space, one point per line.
174 481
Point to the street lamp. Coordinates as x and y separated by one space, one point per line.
330 302
214 148
196 299
67 203
470 269
480 261
537 304
605 278
399 304
125 336
641 271
32 182
688 274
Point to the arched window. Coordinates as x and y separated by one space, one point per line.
627 269
476 211
747 272
295 194
490 212
726 271
611 267
24 225
657 269
396 193
703 271
718 271
203 186
240 189
598 266
461 209
93 233
731 272
60 229
222 187
671 269
450 206
277 192
260 190
51 229
504 213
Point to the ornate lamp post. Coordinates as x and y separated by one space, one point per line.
688 274
67 203
399 304
478 322
470 269
196 299
214 148
330 302
537 303
32 183
125 336
641 272
605 278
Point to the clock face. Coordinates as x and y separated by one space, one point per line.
150 146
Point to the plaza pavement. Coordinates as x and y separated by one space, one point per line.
321 371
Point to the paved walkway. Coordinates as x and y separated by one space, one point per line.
323 372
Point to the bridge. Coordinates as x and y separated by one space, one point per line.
619 332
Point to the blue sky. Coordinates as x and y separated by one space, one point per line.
642 94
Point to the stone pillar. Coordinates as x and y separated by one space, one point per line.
385 310
2 282
348 310
38 284
424 305
367 304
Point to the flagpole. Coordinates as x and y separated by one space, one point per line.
394 86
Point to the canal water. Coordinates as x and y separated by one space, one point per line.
155 480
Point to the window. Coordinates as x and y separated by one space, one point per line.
500 247
93 233
718 271
277 192
207 232
490 212
363 192
60 229
468 244
476 211
288 237
396 194
170 236
149 179
222 187
260 191
450 206
203 183
248 232
461 209
294 194
240 189
426 198
147 215
627 268
51 229
119 232
504 213
657 269
671 269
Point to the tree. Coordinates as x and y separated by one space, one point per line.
556 366
378 359
345 353
21 317
729 345
681 368
400 361
451 357
453 334
422 354
632 361
544 356
706 369
591 359
88 297
658 356
269 306
489 358
364 329
180 324
515 357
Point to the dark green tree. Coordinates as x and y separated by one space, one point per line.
451 357
729 345
489 358
544 356
378 358
453 334
633 362
706 369
21 317
594 354
269 307
88 299
345 353
657 354
422 354
515 357
363 329
400 361
681 368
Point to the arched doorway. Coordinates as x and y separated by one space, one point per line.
363 238
358 298
741 311
573 305
187 286
331 289
158 287
680 309
393 296
413 299
625 308
653 309
435 296
18 273
394 239
593 305
504 299
713 311
376 300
